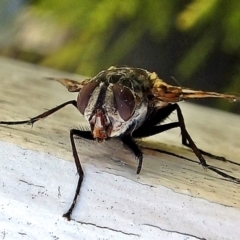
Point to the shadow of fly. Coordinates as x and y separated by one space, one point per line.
129 104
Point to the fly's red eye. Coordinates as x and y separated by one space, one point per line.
124 101
84 95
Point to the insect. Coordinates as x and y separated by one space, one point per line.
127 103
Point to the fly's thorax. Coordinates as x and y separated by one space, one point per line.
111 108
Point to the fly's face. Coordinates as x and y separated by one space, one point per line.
110 106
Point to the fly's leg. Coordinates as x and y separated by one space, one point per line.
41 116
85 135
187 138
186 143
132 145
148 129
220 158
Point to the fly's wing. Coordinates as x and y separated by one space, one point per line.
71 85
170 94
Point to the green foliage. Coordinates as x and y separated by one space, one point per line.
195 56
94 42
230 23
214 25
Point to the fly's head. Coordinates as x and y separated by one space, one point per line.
96 116
111 104
88 103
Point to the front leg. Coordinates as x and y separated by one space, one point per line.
85 135
40 116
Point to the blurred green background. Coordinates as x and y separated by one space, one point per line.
194 43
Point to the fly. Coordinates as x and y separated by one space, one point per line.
128 104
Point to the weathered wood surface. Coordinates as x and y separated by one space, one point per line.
24 93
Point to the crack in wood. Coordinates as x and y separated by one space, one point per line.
172 231
31 184
108 228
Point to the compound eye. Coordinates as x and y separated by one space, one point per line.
124 101
84 96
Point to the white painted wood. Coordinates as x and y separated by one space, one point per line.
171 199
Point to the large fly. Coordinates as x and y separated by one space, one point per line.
128 104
